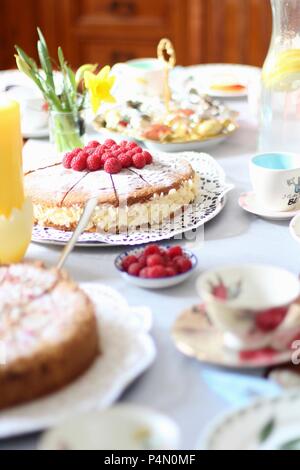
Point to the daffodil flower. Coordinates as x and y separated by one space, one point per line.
99 87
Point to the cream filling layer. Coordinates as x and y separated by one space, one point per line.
108 218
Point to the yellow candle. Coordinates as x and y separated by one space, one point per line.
11 174
16 212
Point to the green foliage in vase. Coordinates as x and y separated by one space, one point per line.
67 98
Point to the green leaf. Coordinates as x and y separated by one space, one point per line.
291 445
44 77
61 58
45 58
68 93
30 62
72 79
267 431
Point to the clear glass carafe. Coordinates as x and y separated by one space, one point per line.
280 101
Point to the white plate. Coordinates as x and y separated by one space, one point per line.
172 147
23 88
122 427
35 134
127 351
15 78
210 202
196 337
202 77
249 203
194 146
266 424
53 237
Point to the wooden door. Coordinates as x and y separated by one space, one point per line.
109 31
18 25
232 31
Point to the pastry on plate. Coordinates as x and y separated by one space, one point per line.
197 118
48 332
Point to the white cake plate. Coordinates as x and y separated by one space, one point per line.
127 351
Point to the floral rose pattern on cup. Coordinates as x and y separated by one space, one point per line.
223 292
270 319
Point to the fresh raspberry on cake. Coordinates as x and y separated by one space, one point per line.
125 160
99 151
105 156
67 160
79 162
93 144
116 153
139 161
148 157
129 153
109 143
90 151
112 166
76 151
94 162
132 145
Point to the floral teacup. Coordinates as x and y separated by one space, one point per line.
253 305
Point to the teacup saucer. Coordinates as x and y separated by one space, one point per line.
249 203
35 133
196 337
295 228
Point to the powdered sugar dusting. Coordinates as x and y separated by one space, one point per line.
36 307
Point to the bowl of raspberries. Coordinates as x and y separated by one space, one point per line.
108 156
156 267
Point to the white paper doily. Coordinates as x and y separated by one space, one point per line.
127 351
210 202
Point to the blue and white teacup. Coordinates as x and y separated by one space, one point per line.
275 178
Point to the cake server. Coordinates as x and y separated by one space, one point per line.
82 224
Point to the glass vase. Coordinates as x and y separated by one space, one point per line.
67 130
280 100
